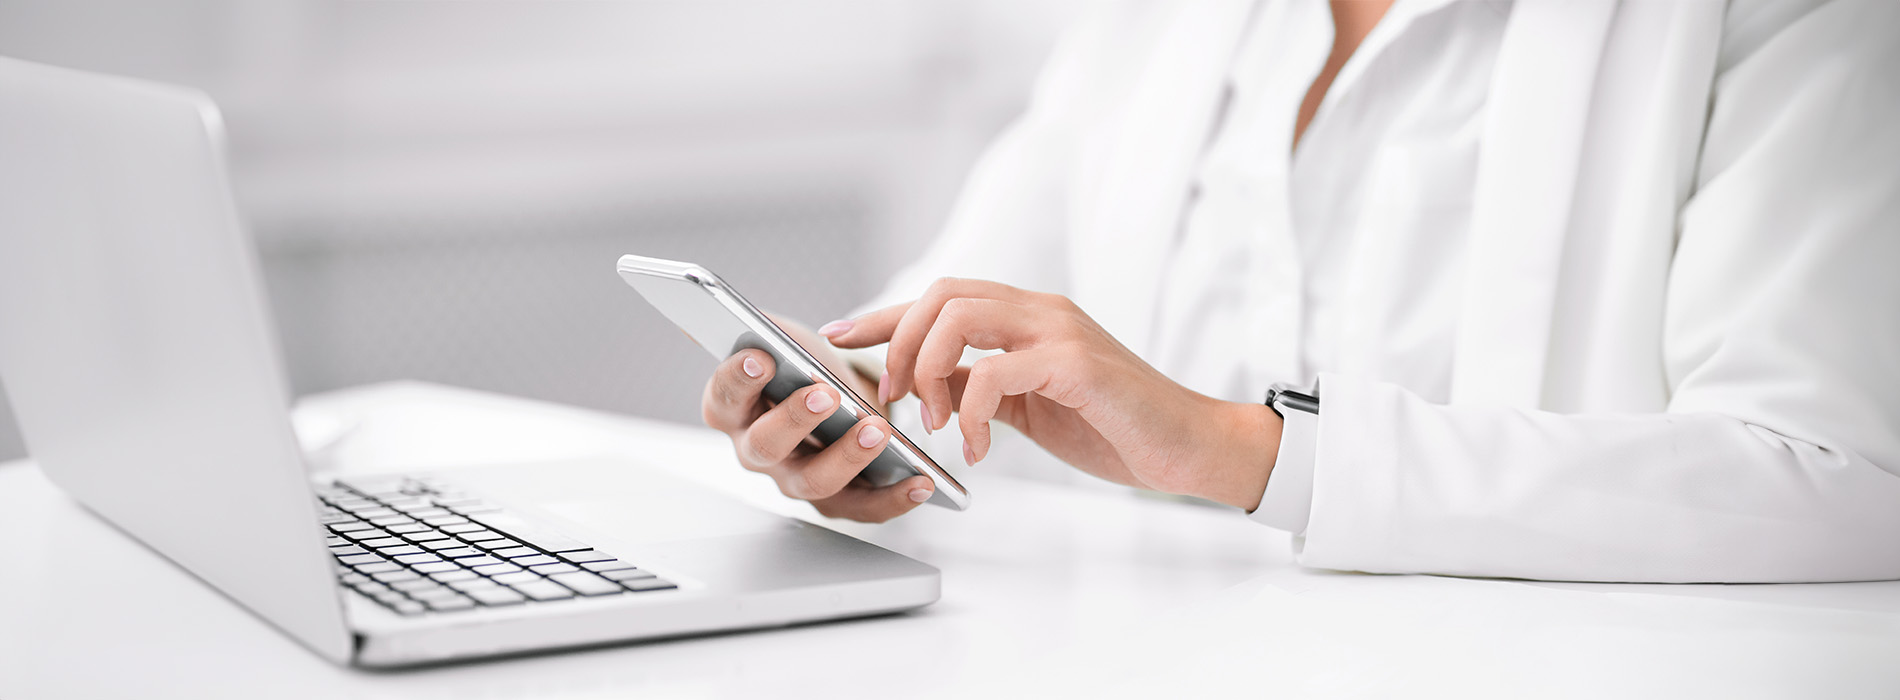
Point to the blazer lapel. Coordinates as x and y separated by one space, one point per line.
1124 231
1527 174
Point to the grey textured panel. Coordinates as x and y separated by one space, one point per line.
531 305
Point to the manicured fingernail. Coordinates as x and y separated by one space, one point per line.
836 328
919 495
818 401
969 456
752 368
884 388
923 411
869 436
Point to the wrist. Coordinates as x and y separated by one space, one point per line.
1245 444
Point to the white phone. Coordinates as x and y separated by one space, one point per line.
713 315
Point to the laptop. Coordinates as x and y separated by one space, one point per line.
141 364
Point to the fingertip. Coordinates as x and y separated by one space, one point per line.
836 328
918 489
820 400
871 435
752 367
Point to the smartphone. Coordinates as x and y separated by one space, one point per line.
713 315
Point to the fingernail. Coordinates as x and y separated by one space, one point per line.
752 368
818 401
969 456
884 388
919 495
868 437
923 410
836 328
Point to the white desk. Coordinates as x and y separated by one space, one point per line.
1046 588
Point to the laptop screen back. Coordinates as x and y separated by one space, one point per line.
135 347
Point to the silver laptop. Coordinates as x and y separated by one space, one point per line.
135 347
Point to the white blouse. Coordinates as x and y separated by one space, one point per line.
1388 160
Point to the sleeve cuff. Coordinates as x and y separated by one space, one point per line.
1288 500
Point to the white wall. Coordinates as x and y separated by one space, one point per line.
439 188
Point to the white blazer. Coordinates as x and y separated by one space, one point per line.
1678 356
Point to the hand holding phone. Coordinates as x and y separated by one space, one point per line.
804 391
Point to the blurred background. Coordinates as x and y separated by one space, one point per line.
439 188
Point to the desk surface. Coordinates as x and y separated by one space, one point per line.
1046 588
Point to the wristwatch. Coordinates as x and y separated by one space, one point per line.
1284 397
1288 500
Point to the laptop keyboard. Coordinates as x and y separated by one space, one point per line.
421 545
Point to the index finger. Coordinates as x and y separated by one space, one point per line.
904 326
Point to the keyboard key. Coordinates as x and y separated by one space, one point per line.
399 550
649 584
333 541
407 528
371 588
552 569
434 592
381 542
448 604
355 559
391 520
373 513
586 584
608 565
435 567
426 535
353 578
445 520
513 552
624 575
476 584
407 607
544 590
415 585
354 526
460 528
423 558
378 567
424 511
501 543
460 552
457 575
348 550
517 578
496 569
472 562
373 533
529 532
439 545
586 555
534 560
496 596
395 576
476 508
338 519
478 536
452 501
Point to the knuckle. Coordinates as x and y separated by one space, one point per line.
750 455
802 485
